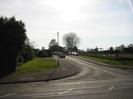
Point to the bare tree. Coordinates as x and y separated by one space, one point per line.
71 40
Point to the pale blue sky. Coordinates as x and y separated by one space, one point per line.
101 23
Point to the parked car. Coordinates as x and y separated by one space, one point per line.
61 55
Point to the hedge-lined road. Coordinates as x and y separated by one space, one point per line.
93 82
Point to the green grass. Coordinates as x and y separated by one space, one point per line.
37 65
35 68
111 61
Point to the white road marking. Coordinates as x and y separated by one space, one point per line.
61 93
72 91
75 88
71 94
7 95
98 81
111 88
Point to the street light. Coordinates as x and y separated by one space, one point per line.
58 48
50 76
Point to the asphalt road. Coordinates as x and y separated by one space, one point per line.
93 82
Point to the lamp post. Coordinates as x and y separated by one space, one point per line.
58 48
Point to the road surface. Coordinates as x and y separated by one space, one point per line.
93 82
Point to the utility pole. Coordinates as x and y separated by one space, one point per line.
51 75
58 48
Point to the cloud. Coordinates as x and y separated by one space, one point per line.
130 5
92 20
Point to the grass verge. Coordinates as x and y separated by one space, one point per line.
35 69
120 63
37 65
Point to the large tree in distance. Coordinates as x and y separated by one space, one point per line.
71 40
54 47
52 43
12 37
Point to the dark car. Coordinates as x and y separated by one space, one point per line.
61 55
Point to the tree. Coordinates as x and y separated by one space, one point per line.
43 48
120 48
52 43
71 40
88 50
111 50
96 49
12 36
28 51
129 49
75 49
130 46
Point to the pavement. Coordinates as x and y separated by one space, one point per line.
66 69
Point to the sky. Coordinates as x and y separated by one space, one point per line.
101 23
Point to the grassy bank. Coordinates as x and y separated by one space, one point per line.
34 69
115 62
37 65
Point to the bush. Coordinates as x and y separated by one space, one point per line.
12 36
27 53
44 53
